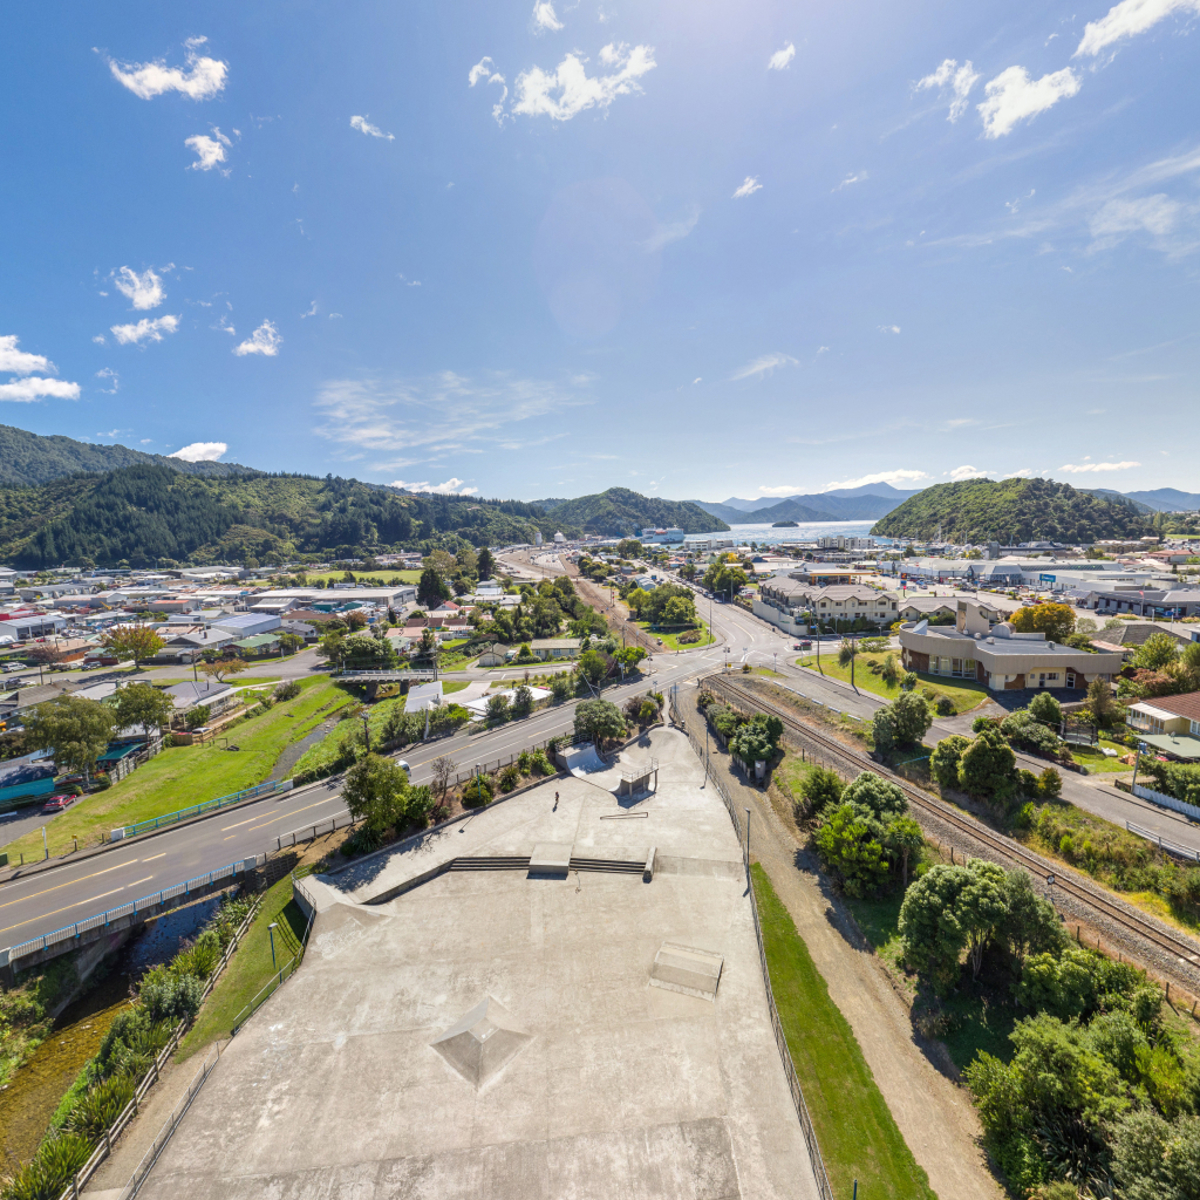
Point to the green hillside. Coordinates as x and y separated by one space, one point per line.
27 458
143 515
619 512
1011 510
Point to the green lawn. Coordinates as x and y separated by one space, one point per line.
185 775
964 694
670 641
384 573
1095 763
250 969
856 1132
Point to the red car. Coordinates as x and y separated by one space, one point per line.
58 803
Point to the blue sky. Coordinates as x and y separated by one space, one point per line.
540 249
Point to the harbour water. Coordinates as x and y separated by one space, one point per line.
805 532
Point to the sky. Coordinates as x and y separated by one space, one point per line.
533 250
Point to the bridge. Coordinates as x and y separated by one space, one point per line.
371 680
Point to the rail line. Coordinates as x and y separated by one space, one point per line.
1184 951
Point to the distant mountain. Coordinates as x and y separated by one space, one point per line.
1011 511
1120 498
619 512
1168 500
548 505
853 504
871 489
27 458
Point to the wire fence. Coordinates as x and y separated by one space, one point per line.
785 1054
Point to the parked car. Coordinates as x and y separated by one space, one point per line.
57 803
804 645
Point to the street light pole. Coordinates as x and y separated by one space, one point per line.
366 720
271 931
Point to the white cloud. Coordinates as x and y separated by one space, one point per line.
452 486
895 478
365 126
781 59
200 452
1013 97
145 330
100 340
142 291
961 473
1128 19
411 421
786 489
1023 473
764 365
857 177
209 150
115 379
544 17
224 325
1091 467
483 70
34 388
568 90
20 362
265 340
673 232
750 185
1157 215
204 78
312 311
953 81
889 329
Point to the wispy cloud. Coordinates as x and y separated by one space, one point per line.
1013 97
895 478
209 151
953 82
966 472
764 365
265 340
749 186
200 452
404 422
365 126
889 328
1128 19
568 90
452 486
484 70
781 59
203 79
545 19
142 291
1085 468
145 330
107 373
854 177
674 231
785 489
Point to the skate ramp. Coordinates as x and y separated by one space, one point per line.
583 761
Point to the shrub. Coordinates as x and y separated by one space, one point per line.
1045 708
902 723
1049 784
821 788
364 840
890 672
525 762
561 686
170 997
498 708
745 668
477 792
99 1107
50 1170
1027 783
944 706
540 764
944 760
509 778
909 681
287 690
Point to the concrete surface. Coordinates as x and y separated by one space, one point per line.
608 1087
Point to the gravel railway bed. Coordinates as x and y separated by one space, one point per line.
1166 952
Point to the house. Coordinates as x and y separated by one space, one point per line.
547 648
1165 605
496 656
186 643
1128 637
258 645
22 781
787 603
216 697
998 656
244 625
1170 725
302 629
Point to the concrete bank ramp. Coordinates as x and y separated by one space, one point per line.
583 761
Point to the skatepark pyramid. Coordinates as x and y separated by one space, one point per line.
479 1045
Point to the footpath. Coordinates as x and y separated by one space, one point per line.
933 1112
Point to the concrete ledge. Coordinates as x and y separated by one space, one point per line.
687 970
648 870
550 859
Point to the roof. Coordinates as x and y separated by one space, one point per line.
185 695
1134 633
554 643
1187 705
16 774
257 641
1177 745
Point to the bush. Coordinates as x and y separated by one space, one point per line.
477 792
944 760
561 686
509 778
170 997
498 709
99 1107
910 680
903 723
525 762
51 1169
288 690
944 706
1049 784
1045 708
540 764
364 840
821 788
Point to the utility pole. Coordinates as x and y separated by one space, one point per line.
366 720
271 931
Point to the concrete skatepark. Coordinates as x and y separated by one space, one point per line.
495 1029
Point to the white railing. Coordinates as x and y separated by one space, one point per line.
1165 801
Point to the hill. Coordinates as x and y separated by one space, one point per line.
1011 510
1168 500
857 505
150 515
27 458
619 512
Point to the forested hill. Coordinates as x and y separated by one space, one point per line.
1011 510
619 512
30 458
142 515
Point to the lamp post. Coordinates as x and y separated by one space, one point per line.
366 720
271 931
1137 762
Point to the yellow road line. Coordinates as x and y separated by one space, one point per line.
43 916
69 883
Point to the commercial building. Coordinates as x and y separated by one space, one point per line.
998 656
392 596
787 602
1172 605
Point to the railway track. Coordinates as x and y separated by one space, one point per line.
1179 950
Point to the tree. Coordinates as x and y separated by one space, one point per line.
45 655
598 719
1031 925
593 666
629 656
846 846
902 723
1046 709
138 642
221 668
847 652
522 704
485 564
944 760
1153 1159
441 561
822 788
678 610
890 672
903 837
988 767
144 705
498 710
1056 621
291 642
444 768
724 578
431 589
755 741
376 792
355 620
75 730
876 796
1100 701
1159 650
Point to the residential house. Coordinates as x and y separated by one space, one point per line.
785 603
302 629
548 648
1170 725
257 646
998 656
216 697
1127 637
244 625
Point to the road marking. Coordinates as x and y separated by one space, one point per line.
283 816
153 857
55 913
137 881
70 883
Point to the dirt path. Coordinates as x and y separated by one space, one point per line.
934 1114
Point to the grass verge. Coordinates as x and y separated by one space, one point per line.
855 1130
250 969
185 775
670 641
963 694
